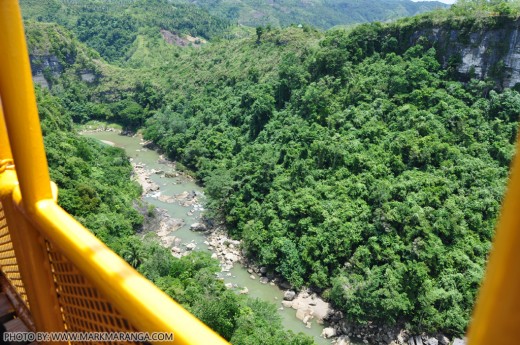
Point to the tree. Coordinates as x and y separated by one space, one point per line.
259 33
132 251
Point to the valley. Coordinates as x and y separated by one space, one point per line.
365 165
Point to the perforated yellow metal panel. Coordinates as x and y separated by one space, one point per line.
84 308
8 262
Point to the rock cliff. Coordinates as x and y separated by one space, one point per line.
486 51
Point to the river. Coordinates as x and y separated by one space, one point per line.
175 186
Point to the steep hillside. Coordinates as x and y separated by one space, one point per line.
362 167
319 13
112 27
56 53
481 44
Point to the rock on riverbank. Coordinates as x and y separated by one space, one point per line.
91 129
224 248
375 334
308 306
142 175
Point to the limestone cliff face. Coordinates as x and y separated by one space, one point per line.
39 63
491 51
43 67
54 51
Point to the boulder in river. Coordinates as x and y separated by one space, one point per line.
443 340
343 340
191 246
287 304
198 227
328 332
432 341
458 341
301 314
230 257
284 285
320 309
289 295
417 340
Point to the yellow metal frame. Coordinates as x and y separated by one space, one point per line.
496 318
33 216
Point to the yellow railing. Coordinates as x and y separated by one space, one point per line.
69 280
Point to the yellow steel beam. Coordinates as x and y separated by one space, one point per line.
19 104
5 148
22 123
496 318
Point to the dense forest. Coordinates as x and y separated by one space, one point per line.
366 173
318 13
95 187
350 161
112 28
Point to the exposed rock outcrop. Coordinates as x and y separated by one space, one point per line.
457 341
224 248
490 50
198 227
328 332
142 175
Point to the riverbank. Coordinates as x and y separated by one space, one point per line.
168 225
308 306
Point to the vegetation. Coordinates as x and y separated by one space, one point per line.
94 180
321 14
112 28
360 168
352 162
95 187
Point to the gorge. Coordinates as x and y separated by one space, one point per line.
366 164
